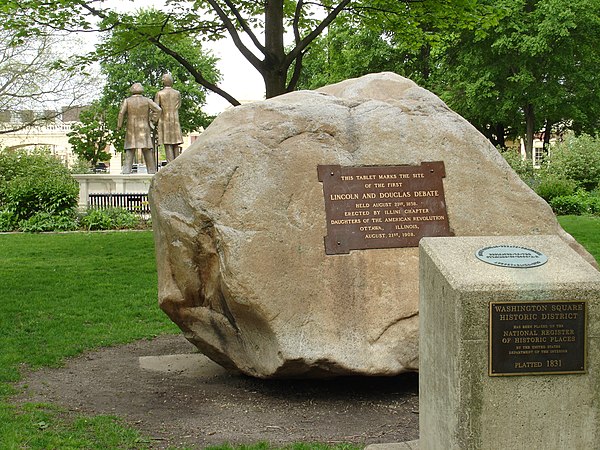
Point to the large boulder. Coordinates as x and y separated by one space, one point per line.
239 223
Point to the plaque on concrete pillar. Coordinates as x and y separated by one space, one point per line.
383 206
536 338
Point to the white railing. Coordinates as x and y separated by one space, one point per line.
110 184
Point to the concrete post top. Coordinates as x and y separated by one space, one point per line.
455 258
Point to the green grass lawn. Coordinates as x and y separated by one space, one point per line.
62 294
586 230
65 293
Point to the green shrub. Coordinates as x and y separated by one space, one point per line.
95 219
577 158
109 219
44 221
7 221
34 182
579 203
123 219
27 196
568 204
523 168
551 186
594 203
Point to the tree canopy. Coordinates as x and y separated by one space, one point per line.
350 50
92 135
405 43
256 28
512 67
537 68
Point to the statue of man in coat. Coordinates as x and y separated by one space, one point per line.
140 111
169 129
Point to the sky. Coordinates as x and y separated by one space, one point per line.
240 79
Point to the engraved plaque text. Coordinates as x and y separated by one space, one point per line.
383 206
535 338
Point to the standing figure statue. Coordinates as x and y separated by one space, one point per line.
140 111
169 129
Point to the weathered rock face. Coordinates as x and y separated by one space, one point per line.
239 223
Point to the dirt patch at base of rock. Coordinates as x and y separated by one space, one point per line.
179 400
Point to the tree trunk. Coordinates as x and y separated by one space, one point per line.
275 81
495 134
500 135
273 72
547 135
424 57
530 130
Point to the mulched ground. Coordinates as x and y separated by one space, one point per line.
200 404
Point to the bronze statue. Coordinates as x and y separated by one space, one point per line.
169 129
140 111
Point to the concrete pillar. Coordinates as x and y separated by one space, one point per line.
463 404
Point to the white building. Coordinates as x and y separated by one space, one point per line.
52 136
539 153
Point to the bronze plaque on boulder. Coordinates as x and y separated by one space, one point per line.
383 206
537 338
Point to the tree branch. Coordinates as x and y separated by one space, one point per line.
245 51
200 79
304 43
296 75
244 24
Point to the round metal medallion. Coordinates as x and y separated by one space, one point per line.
511 256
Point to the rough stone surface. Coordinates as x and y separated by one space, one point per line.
239 223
